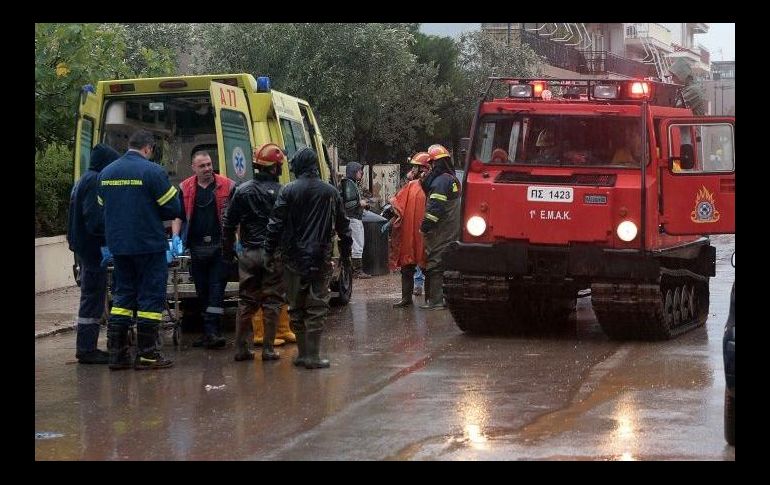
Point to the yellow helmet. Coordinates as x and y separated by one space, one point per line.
437 151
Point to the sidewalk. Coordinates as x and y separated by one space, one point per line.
56 311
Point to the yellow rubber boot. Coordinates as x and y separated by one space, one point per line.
259 330
284 331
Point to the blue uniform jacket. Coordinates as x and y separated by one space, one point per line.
137 197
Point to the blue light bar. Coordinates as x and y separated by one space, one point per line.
263 84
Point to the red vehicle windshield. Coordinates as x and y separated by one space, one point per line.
559 140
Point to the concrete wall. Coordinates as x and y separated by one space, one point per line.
53 264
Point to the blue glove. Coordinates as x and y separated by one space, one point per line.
169 256
177 248
106 256
238 247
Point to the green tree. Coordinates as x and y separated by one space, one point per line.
482 56
67 57
369 91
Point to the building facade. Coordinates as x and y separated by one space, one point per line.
604 50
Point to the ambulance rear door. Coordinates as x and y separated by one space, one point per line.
235 138
89 111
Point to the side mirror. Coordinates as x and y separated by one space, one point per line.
685 160
465 144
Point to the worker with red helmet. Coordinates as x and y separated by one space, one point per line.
407 249
441 224
259 287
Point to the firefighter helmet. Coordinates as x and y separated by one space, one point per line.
268 155
421 159
437 151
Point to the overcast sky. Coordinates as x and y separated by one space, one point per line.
720 36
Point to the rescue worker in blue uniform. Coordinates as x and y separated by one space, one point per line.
306 215
441 224
137 197
258 287
85 235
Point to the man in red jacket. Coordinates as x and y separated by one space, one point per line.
204 197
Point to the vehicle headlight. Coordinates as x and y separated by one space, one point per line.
627 231
476 226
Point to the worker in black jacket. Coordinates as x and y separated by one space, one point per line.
249 210
306 215
85 235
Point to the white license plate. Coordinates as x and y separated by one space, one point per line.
537 193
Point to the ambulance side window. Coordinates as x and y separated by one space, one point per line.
293 137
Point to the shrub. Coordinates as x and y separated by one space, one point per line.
53 184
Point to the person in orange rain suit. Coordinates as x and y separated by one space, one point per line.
407 249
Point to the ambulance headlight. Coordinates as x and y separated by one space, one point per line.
627 231
476 226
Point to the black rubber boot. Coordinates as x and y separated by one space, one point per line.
268 352
407 287
358 271
147 354
299 360
117 344
242 337
313 359
86 351
243 352
434 299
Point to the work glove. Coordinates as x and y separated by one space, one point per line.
238 247
169 256
106 256
177 248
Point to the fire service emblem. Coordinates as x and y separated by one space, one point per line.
705 211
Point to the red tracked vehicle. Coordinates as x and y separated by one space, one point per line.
554 205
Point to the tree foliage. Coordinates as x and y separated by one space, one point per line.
67 57
369 91
482 57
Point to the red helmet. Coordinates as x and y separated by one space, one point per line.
437 151
268 155
421 159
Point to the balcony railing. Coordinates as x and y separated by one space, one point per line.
585 61
555 54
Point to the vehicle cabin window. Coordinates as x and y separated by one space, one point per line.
710 146
86 141
560 140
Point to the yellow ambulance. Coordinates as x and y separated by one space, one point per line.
226 114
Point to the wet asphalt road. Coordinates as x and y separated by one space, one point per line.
404 385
